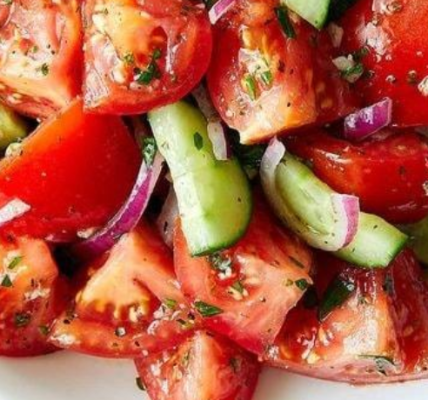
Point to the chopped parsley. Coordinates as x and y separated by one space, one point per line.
6 282
302 284
14 263
170 303
149 150
207 310
44 330
382 362
250 86
22 320
145 77
220 262
285 22
239 287
336 294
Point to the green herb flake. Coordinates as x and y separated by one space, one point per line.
149 150
382 362
140 384
239 287
285 22
170 303
220 262
302 284
44 69
207 310
250 86
198 140
354 71
336 294
145 77
129 59
15 262
22 320
6 282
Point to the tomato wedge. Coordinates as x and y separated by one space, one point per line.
394 57
373 332
41 55
264 80
206 366
389 173
245 292
125 75
75 172
130 305
32 294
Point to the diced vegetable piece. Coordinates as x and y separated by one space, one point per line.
214 197
204 367
12 127
419 239
304 203
313 11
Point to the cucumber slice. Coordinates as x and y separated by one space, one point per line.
419 239
376 244
214 197
303 203
12 127
314 11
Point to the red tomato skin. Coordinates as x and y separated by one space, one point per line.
206 366
396 299
50 47
267 262
306 87
189 49
397 61
75 171
389 173
119 310
38 292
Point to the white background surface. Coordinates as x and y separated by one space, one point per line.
65 376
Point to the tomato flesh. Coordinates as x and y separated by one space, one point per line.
389 173
130 305
41 55
128 76
377 334
396 61
264 82
267 273
32 294
74 171
206 366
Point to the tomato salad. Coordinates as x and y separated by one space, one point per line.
207 188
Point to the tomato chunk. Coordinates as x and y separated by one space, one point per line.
32 294
245 292
130 305
264 80
75 172
125 75
206 366
377 333
41 55
394 57
389 173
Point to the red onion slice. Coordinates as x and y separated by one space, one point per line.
367 121
219 9
215 128
343 210
127 217
13 209
166 220
347 209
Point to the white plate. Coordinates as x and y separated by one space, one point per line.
65 376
